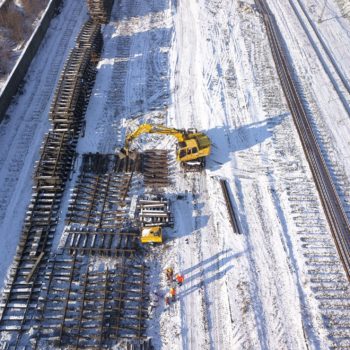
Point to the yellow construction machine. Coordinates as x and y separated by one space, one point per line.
192 147
151 235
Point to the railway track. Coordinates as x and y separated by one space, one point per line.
331 203
326 56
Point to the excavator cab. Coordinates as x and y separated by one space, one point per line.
187 151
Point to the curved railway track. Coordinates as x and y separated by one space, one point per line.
330 200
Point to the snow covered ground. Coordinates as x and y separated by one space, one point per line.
207 64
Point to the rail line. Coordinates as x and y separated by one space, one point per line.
328 54
331 203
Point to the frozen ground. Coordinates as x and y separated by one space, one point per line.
207 64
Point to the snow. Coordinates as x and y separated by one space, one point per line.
207 64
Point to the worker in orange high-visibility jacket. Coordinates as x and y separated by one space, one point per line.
173 293
180 279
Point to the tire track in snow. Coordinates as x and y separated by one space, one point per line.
225 332
138 47
194 321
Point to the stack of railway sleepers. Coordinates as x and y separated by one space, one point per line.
102 242
19 303
88 308
74 87
100 10
99 200
155 168
91 37
97 163
72 91
56 159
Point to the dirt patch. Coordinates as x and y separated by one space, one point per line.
18 20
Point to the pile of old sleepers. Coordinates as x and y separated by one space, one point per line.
20 296
100 10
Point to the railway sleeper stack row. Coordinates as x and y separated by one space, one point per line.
20 297
100 10
102 242
29 300
155 168
99 200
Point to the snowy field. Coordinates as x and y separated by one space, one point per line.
207 64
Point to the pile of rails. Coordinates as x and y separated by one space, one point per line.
20 297
100 10
154 212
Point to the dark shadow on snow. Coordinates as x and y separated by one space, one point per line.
226 141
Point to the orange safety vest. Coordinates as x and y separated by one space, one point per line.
172 291
180 278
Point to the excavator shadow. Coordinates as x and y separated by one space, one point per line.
227 141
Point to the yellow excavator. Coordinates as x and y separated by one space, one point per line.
192 147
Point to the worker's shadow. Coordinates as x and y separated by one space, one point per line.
207 271
227 141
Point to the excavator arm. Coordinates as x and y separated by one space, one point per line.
153 129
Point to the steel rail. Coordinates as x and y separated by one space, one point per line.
334 211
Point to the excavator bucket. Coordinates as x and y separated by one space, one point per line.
123 153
